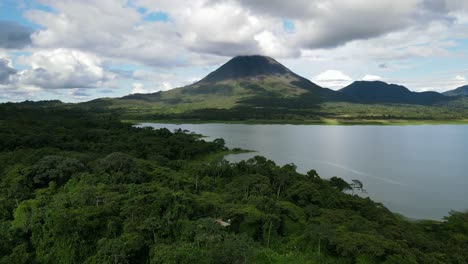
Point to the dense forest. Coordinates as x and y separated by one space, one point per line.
82 187
289 111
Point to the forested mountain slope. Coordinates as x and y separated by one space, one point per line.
460 91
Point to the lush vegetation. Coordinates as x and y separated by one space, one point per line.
265 107
82 187
323 113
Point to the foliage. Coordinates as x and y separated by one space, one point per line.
82 187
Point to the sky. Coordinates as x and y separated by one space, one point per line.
79 50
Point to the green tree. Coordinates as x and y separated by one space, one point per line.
340 184
54 168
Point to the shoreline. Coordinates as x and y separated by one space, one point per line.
222 154
330 122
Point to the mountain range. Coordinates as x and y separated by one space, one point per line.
260 84
259 81
460 91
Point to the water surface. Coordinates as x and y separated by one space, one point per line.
418 171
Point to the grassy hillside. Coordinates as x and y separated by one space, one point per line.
225 94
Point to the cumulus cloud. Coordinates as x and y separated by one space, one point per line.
140 88
227 27
333 79
11 91
54 69
343 21
222 28
111 29
274 46
391 51
370 77
62 69
165 86
6 71
191 80
14 35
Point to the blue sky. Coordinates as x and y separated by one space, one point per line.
81 50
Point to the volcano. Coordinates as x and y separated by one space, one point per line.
244 81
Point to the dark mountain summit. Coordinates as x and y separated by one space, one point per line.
245 67
370 91
460 91
253 68
381 92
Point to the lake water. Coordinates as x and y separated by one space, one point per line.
418 171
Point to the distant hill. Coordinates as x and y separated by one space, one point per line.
460 91
381 92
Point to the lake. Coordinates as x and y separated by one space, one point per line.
418 171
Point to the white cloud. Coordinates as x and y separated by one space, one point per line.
165 86
192 80
52 70
220 27
460 78
370 77
140 88
274 46
111 29
9 90
333 79
62 69
115 30
339 22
